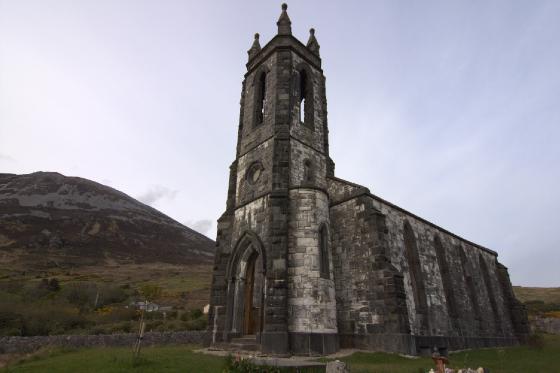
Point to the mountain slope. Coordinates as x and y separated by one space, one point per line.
74 221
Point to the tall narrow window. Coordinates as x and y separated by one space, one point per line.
302 89
307 171
304 99
261 99
302 95
324 252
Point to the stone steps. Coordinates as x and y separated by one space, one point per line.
245 343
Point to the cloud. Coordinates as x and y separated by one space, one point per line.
201 226
157 193
5 157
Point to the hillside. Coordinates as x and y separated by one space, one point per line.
74 255
540 302
48 219
528 294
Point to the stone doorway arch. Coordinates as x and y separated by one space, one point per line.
246 288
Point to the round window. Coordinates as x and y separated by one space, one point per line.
254 173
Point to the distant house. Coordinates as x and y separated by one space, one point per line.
147 306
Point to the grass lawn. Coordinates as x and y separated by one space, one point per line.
182 359
152 359
499 360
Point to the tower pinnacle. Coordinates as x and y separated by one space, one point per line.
255 48
284 24
312 43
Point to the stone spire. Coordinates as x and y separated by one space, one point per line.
284 23
255 48
312 43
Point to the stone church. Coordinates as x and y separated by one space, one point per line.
307 263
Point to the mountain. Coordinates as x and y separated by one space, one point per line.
65 221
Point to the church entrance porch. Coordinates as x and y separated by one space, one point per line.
244 320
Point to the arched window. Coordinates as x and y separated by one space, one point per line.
302 89
260 102
305 98
446 278
307 171
324 251
414 270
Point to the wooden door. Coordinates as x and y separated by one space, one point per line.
248 314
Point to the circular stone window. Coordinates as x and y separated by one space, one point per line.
254 173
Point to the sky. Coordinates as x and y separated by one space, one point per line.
450 109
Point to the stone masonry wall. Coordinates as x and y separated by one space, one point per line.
545 324
301 153
251 217
247 191
371 301
481 322
311 299
479 312
30 344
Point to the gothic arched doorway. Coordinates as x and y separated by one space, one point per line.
246 288
252 297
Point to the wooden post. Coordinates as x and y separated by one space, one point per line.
141 329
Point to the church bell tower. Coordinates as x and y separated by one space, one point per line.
273 285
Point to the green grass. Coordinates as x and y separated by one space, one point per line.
182 359
107 360
499 360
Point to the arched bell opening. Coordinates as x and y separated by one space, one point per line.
246 289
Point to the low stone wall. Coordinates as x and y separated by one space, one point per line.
30 344
546 324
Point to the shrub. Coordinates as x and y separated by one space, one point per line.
198 324
33 292
185 316
11 323
99 329
88 295
538 307
170 326
153 325
81 294
240 365
53 284
122 327
151 291
553 314
116 315
110 294
191 315
196 313
12 287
